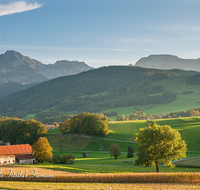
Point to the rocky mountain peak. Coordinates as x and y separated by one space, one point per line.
15 67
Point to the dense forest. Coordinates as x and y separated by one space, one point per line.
92 91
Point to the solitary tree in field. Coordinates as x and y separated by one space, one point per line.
159 143
115 150
42 150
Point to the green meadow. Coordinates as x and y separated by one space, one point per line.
175 84
123 134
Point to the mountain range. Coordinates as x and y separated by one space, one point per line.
29 86
168 62
14 67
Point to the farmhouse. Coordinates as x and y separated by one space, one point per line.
20 154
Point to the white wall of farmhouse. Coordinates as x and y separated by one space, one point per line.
8 159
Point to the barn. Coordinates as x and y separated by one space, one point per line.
20 154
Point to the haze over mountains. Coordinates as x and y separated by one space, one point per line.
93 91
168 62
14 67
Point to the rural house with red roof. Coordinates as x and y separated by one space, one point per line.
20 154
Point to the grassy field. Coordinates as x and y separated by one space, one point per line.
123 134
182 103
30 116
192 163
125 130
189 129
101 162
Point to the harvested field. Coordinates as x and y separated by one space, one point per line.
84 186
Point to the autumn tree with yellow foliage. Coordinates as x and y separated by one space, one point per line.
159 143
42 150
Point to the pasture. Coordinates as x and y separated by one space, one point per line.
123 134
99 161
173 84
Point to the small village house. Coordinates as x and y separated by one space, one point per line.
20 154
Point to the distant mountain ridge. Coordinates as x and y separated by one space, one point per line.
14 67
167 62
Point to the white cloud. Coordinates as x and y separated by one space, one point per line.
17 7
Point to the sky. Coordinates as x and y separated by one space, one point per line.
100 32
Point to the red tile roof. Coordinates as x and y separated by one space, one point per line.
16 149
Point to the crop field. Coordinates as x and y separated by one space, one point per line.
91 186
127 181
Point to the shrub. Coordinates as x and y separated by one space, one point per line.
65 159
56 159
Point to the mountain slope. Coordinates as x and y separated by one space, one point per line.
169 62
12 87
124 86
14 67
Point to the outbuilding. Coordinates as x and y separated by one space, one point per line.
21 154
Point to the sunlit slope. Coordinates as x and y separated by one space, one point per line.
184 101
175 84
120 132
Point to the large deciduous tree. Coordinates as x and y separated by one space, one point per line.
85 123
159 143
42 150
115 150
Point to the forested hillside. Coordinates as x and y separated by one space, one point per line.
194 80
12 87
91 91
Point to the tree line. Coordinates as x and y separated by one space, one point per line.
18 131
135 115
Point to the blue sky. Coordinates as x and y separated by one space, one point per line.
100 32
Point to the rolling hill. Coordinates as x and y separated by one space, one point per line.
92 91
169 62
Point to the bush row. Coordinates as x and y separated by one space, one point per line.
115 178
65 159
